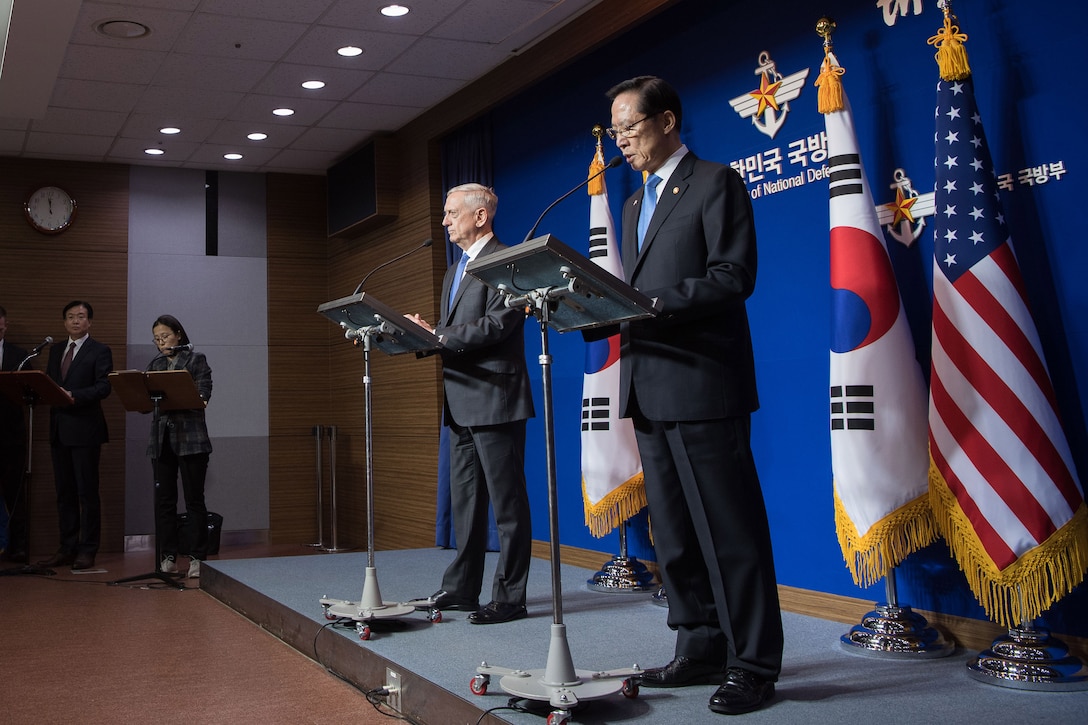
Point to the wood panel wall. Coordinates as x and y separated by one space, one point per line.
39 275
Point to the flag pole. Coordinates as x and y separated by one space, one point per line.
1027 658
873 545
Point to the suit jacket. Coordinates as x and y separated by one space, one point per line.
694 360
12 423
483 363
186 429
82 423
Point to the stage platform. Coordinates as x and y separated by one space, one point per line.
436 661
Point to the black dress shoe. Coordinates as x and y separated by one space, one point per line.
59 559
742 692
683 671
445 600
83 561
497 613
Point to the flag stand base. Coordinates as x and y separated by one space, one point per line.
892 632
1029 659
660 598
622 575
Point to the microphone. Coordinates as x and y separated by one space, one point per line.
616 161
179 348
427 243
35 352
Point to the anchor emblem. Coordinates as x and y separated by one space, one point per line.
905 218
769 104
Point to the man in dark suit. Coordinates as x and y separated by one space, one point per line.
13 543
487 401
687 379
81 365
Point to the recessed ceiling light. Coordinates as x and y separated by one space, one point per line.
257 136
313 85
169 130
232 157
350 51
283 112
394 11
154 152
122 29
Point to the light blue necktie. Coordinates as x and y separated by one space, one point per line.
457 279
649 203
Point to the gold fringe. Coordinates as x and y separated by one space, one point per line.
888 542
1030 585
951 55
620 504
830 97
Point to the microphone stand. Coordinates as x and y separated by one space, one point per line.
425 244
616 161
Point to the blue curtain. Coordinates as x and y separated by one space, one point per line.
466 159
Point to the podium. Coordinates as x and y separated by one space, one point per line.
565 291
154 392
371 324
29 388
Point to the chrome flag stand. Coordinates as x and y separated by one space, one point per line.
892 631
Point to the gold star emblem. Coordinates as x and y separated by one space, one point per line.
901 207
765 95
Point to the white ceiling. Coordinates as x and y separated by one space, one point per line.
217 68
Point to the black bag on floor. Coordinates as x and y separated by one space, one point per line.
187 535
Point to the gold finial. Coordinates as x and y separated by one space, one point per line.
598 132
830 97
824 28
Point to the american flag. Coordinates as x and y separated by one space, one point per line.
1003 484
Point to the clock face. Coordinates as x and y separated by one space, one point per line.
50 210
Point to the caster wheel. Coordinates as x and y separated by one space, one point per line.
558 717
435 616
364 632
478 684
329 615
630 688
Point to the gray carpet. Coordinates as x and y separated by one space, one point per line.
820 682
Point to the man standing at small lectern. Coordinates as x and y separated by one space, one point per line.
487 401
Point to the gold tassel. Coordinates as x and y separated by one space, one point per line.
596 186
830 97
951 55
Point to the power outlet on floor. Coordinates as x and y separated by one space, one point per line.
393 687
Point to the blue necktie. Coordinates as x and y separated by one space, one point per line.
457 279
649 203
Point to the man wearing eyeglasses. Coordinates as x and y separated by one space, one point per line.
687 379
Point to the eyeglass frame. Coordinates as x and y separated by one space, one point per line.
629 130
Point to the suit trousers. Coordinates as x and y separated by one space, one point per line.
487 464
79 509
712 541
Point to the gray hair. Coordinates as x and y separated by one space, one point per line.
477 195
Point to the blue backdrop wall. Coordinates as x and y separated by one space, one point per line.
1028 63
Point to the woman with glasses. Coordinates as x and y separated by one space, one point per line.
180 444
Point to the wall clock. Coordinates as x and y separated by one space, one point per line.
50 209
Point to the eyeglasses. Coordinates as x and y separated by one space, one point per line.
627 131
163 338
